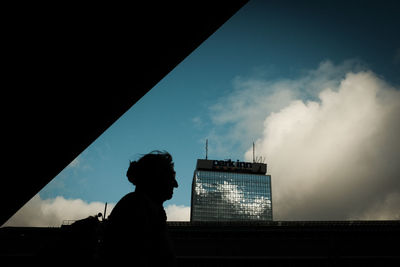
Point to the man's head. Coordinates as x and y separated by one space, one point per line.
154 174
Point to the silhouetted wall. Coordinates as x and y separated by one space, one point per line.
224 244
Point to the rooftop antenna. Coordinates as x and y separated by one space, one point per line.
206 148
254 148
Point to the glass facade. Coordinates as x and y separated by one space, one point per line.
231 196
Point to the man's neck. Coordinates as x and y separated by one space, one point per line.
150 195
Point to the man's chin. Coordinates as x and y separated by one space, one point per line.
169 196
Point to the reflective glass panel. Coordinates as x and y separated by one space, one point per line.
225 196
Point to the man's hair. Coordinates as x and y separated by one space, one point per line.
149 168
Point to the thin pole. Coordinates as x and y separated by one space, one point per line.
253 152
105 209
206 148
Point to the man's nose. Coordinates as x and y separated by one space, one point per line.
175 183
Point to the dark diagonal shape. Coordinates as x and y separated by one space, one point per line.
75 69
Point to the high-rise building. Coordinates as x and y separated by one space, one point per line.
225 190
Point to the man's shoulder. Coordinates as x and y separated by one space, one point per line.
128 197
125 200
127 203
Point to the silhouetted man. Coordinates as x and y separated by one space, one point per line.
136 232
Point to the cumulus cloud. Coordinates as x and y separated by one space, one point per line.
75 163
40 212
238 117
177 213
331 157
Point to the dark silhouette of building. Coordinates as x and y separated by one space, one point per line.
273 243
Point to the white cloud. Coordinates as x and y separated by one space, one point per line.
40 212
197 122
177 213
385 209
238 118
75 163
331 158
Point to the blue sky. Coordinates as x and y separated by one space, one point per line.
266 41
